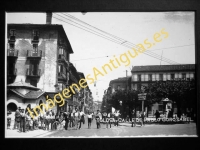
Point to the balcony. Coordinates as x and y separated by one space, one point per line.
12 72
32 55
12 39
62 59
12 53
33 73
62 76
35 40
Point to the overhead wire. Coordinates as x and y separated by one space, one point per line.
113 35
128 44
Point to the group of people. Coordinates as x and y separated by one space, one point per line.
45 120
23 121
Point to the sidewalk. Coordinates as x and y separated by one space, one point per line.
30 134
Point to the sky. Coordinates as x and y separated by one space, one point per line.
91 50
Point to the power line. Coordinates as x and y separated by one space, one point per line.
171 47
120 54
147 53
116 37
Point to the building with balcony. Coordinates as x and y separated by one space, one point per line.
39 55
120 83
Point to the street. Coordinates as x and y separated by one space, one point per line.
125 130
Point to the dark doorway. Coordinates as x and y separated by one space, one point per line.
12 107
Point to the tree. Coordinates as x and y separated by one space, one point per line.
177 91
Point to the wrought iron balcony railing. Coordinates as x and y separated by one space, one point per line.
12 53
32 54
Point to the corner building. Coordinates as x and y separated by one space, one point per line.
39 55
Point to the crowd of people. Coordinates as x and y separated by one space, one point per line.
24 122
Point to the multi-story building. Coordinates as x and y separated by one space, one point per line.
144 75
39 55
120 83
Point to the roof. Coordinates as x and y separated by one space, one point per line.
22 84
185 67
16 92
29 95
34 94
122 79
57 27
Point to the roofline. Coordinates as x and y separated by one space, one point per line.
132 70
59 27
21 95
35 98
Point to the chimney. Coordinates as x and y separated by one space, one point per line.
48 17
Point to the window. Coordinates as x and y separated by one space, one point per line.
34 68
134 77
139 77
150 77
12 34
183 75
67 56
35 35
35 48
157 77
142 77
61 51
33 82
118 87
12 46
172 76
60 86
161 77
164 77
153 77
60 68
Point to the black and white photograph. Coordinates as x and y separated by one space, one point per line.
100 74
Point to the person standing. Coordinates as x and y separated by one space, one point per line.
22 121
81 118
157 114
133 119
188 116
142 116
89 120
98 117
108 120
76 118
17 119
28 118
71 119
8 119
116 117
66 117
47 119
